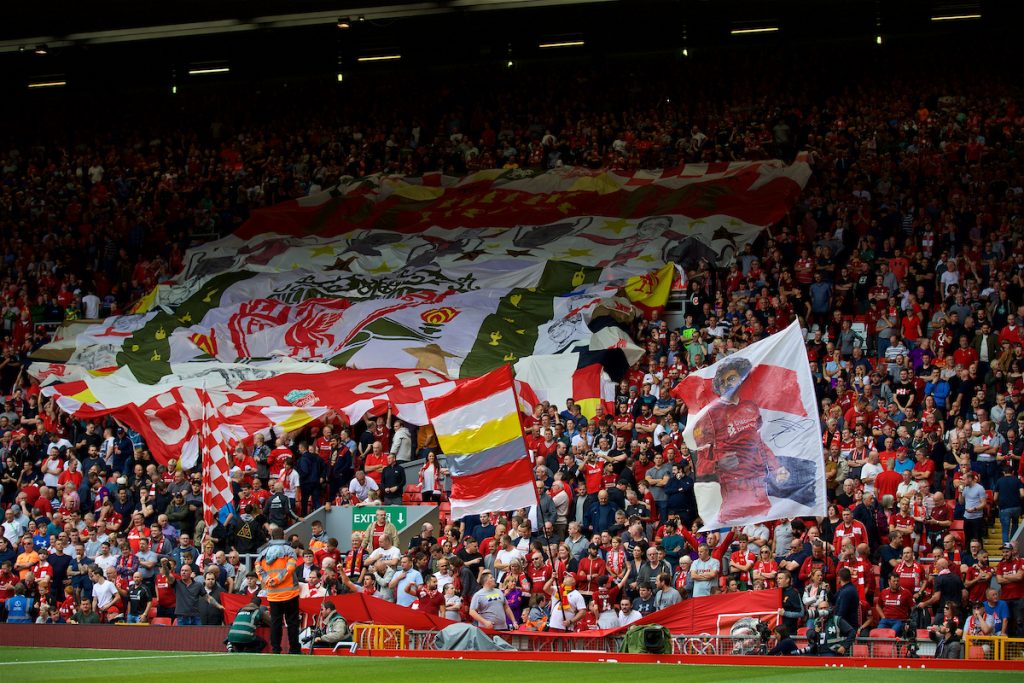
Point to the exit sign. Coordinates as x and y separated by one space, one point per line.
363 517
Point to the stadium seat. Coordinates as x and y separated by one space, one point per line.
160 621
883 648
861 650
976 652
802 631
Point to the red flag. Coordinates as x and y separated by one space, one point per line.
770 386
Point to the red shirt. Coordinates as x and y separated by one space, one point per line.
67 608
607 598
134 534
895 604
323 449
260 497
587 573
1015 590
374 460
742 558
430 601
911 576
376 532
593 473
113 521
538 577
855 531
976 593
887 482
164 592
67 475
248 466
41 569
383 434
925 466
767 568
275 460
904 521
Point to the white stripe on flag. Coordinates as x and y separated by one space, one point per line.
498 499
477 413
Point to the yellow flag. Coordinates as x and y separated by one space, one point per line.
652 289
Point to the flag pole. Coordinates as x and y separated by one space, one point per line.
540 508
547 546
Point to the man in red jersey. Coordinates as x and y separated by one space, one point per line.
892 609
730 450
1010 577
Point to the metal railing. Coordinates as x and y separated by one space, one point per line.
993 648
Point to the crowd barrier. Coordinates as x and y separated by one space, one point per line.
994 648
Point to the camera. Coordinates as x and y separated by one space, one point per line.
910 644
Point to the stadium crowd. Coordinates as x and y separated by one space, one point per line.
904 259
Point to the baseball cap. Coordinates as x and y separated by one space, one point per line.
1006 546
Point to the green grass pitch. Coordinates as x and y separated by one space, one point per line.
25 665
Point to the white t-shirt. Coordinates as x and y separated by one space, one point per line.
105 562
575 603
870 471
91 303
391 553
105 594
505 556
362 491
627 619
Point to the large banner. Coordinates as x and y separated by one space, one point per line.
754 428
725 614
460 275
451 277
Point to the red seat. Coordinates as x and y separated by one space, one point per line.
882 633
861 650
976 652
802 631
160 621
884 648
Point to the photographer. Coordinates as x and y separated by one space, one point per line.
830 634
333 628
242 635
784 643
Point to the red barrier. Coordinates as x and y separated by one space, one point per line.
111 636
714 614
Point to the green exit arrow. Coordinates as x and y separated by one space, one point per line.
401 518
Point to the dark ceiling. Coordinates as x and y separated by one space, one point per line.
124 42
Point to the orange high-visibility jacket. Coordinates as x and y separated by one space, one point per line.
279 578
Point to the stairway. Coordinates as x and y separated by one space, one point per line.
994 541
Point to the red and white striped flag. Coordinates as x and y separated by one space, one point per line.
216 463
480 432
